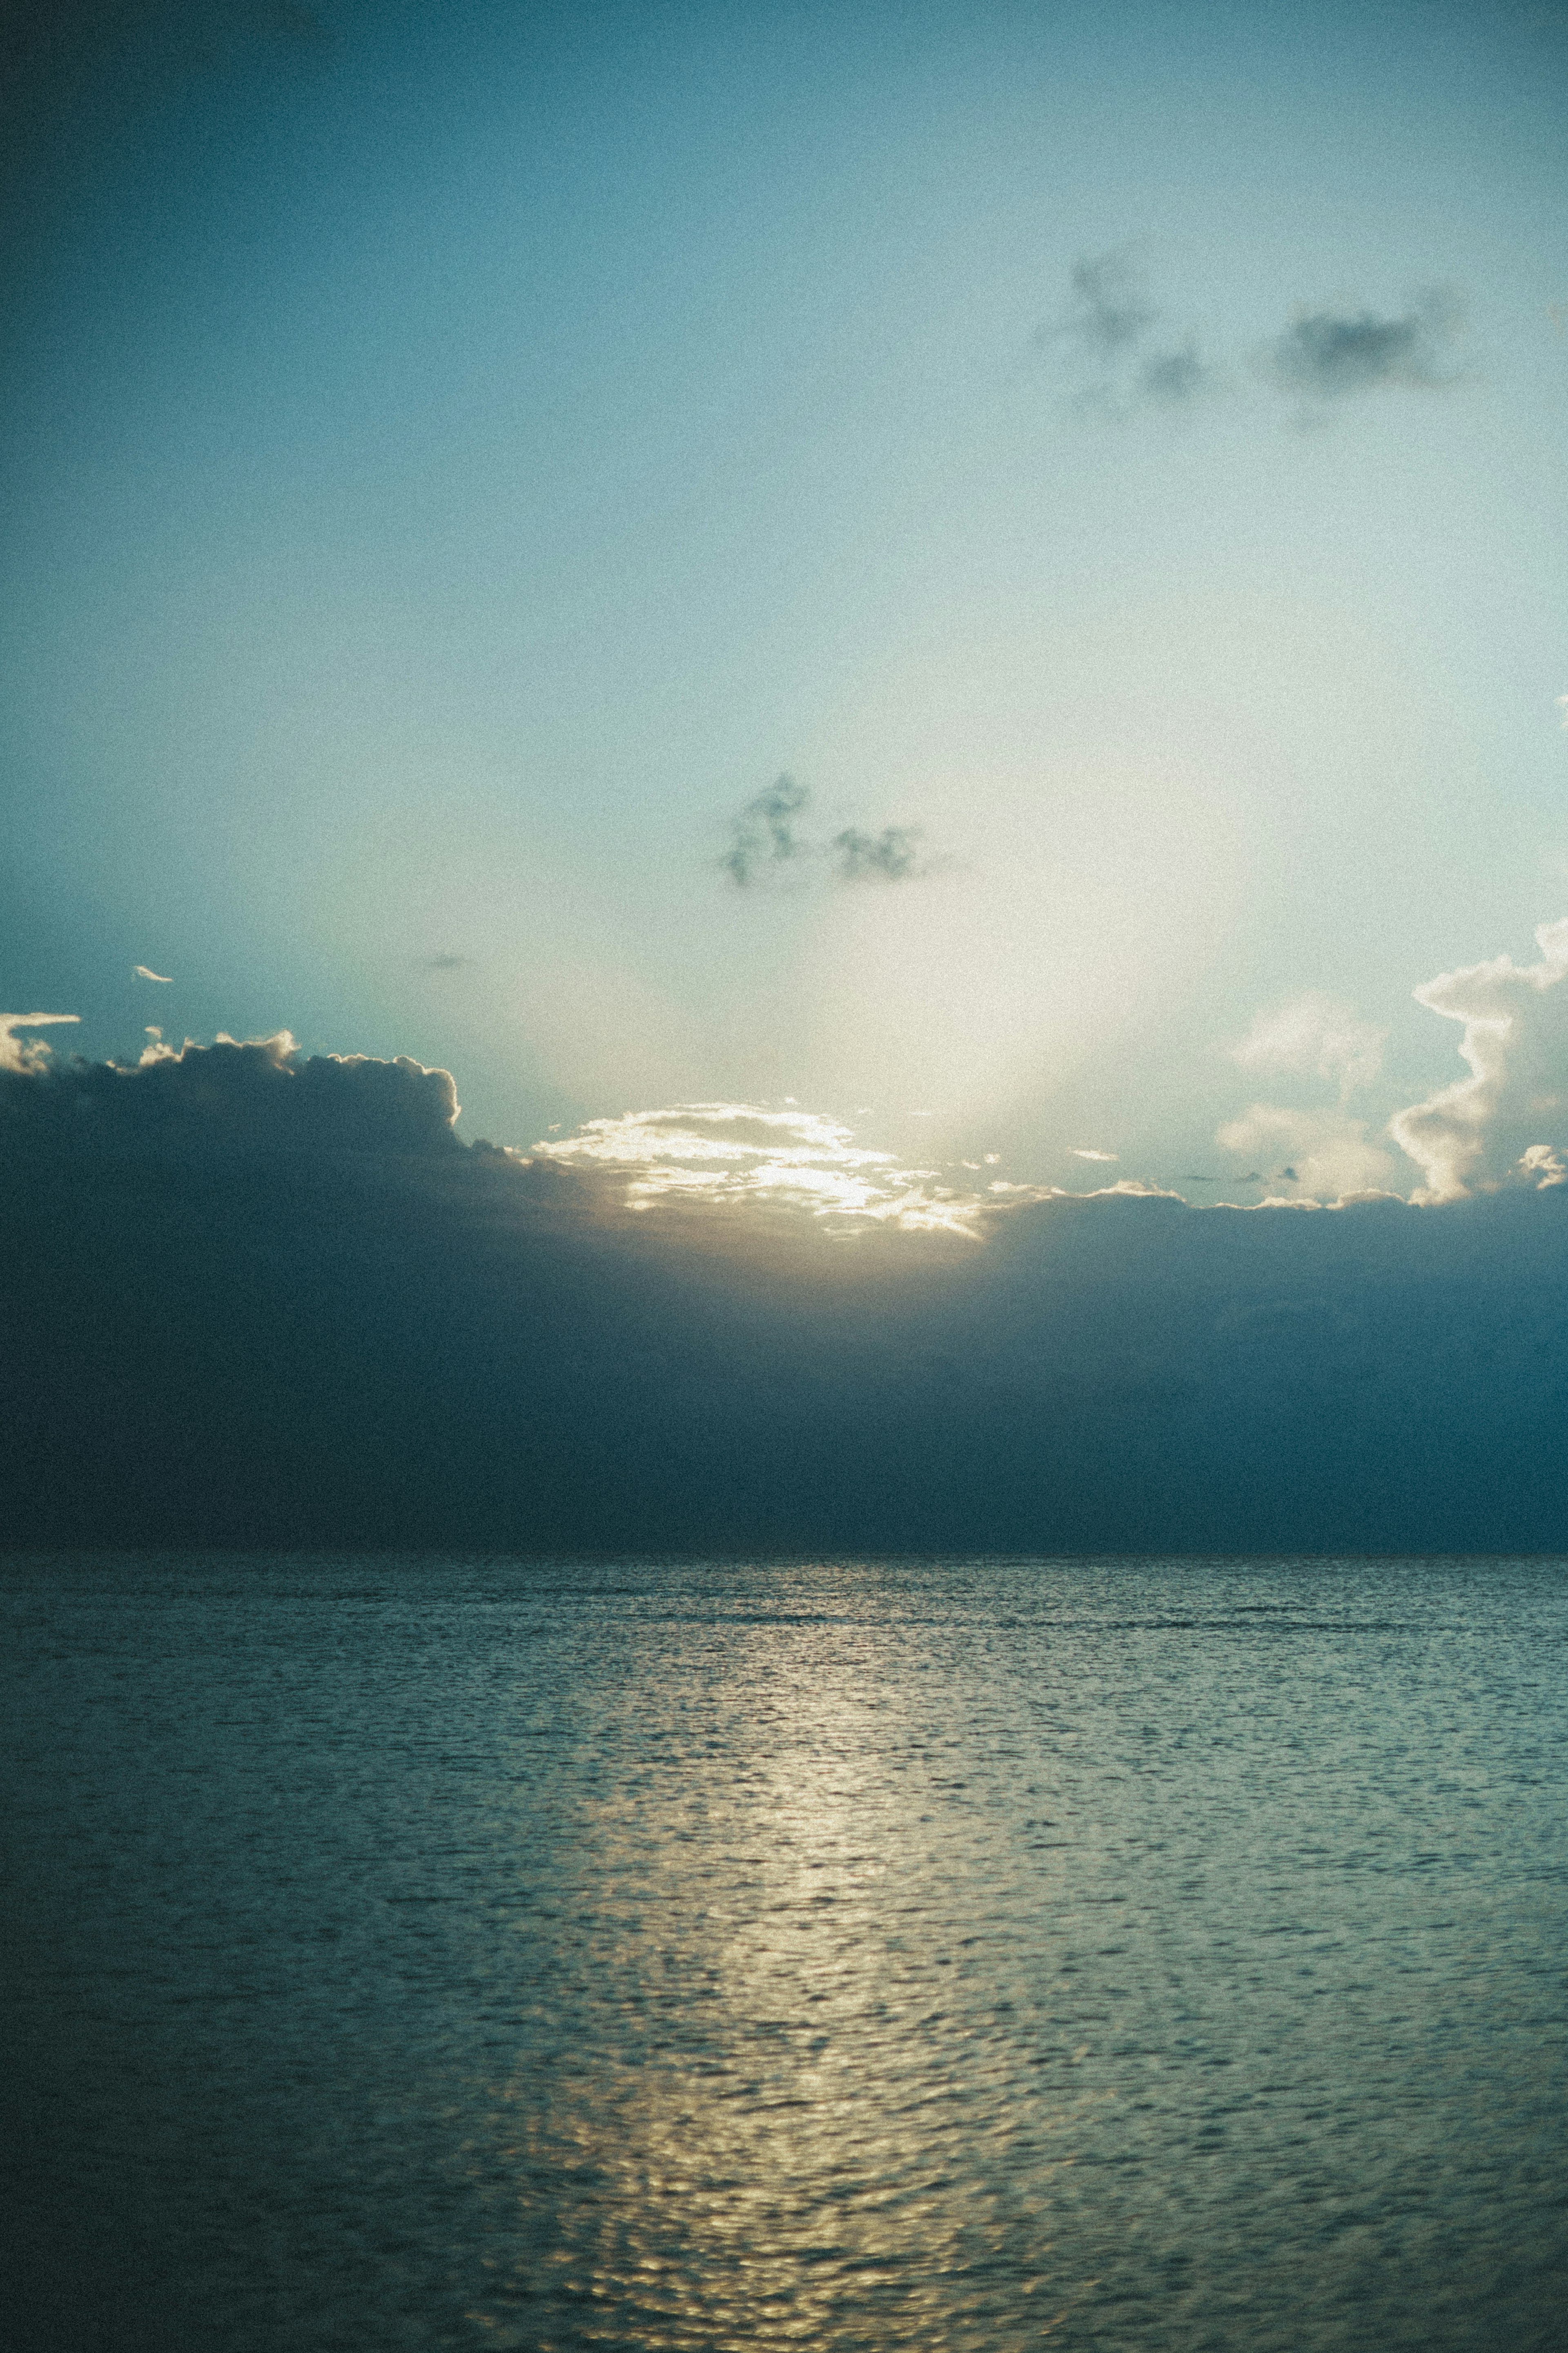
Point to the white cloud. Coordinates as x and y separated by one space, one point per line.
731 1153
1080 1154
1316 1036
1327 1154
145 972
26 1053
1503 1124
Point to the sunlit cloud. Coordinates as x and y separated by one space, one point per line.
24 1054
1506 1122
1328 1155
145 972
732 1153
1315 1035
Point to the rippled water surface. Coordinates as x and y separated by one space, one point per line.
458 1953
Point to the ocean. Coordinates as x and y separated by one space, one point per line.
1153 1954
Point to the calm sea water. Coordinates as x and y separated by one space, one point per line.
454 1953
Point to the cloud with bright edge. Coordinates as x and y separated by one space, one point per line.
358 1328
728 1153
1328 1156
145 972
1508 1121
22 1054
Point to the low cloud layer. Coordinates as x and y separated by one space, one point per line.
253 1297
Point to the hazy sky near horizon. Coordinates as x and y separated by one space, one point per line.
455 461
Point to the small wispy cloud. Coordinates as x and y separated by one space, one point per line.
1172 378
1330 355
1082 1152
1315 1035
1128 357
1109 310
445 963
767 843
1107 327
145 972
765 838
885 857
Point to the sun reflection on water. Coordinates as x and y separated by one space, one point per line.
788 2130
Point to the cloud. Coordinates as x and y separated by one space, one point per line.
143 972
24 1054
1315 1035
1110 310
1106 326
1170 379
263 1095
887 856
767 842
1505 1122
339 1323
1329 354
446 963
765 838
1084 1153
1328 1156
723 1154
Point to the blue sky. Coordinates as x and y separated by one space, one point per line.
456 459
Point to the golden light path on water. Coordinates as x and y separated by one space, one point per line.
797 2130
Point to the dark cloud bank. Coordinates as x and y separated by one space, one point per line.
253 1299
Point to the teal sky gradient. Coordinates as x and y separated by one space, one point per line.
455 458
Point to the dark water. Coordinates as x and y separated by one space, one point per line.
454 1953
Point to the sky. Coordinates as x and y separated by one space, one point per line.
457 462
887 614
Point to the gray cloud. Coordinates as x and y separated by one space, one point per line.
886 856
1107 326
1170 379
1329 354
765 838
446 963
258 1298
1110 310
768 843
